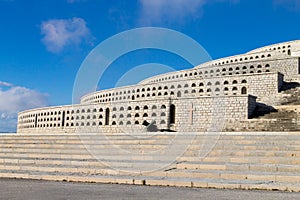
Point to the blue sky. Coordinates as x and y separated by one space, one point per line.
43 43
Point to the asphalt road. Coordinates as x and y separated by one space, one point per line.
48 190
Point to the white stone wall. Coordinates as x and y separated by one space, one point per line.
207 97
191 114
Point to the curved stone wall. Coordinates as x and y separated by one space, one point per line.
232 84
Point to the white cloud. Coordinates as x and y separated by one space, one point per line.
60 33
14 99
163 10
5 84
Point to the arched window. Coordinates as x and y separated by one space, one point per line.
244 90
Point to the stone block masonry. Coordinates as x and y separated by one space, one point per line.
206 97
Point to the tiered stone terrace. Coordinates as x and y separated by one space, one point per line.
249 104
261 160
226 90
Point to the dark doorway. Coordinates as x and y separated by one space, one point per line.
172 114
107 116
35 121
63 119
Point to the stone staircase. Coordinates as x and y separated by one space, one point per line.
284 117
262 160
290 94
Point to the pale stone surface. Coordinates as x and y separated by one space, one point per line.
214 96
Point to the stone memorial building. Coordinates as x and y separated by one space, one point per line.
219 95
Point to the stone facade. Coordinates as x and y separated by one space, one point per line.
204 98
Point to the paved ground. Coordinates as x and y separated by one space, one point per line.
40 190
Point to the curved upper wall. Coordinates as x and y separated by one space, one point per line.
239 64
271 52
277 47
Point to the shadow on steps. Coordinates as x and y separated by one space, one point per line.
262 109
289 85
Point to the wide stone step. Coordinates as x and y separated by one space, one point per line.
100 167
258 153
237 160
259 160
164 181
